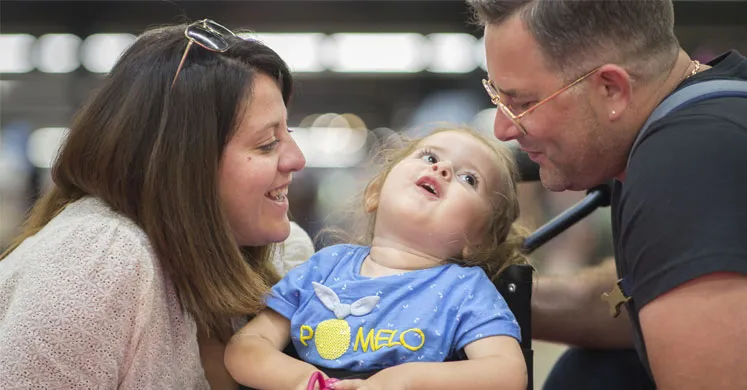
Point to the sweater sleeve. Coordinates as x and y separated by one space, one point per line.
73 301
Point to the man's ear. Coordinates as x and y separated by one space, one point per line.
613 84
371 197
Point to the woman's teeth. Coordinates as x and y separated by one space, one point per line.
278 195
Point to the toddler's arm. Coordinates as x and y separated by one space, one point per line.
254 356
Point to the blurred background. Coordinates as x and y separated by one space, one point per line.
364 70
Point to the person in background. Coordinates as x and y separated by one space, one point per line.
574 82
157 235
296 249
415 289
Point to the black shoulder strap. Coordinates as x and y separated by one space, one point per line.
691 94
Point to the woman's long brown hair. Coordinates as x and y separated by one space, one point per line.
153 153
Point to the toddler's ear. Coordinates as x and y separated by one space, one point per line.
371 197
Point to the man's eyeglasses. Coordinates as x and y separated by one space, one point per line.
208 34
516 118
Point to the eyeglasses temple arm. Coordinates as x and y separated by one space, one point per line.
181 63
567 87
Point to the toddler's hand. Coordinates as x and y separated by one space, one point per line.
369 384
320 381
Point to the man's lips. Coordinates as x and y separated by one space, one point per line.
533 155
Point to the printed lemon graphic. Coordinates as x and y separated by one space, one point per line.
332 337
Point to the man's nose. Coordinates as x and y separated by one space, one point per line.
504 128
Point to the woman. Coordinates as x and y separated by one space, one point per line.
168 193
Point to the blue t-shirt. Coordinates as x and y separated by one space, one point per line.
342 320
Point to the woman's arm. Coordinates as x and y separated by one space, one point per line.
73 313
494 363
254 355
212 351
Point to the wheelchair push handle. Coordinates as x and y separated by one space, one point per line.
595 198
318 378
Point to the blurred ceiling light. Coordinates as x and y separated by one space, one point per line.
299 50
319 147
354 121
452 53
58 53
479 54
44 144
375 52
325 120
101 51
358 135
339 121
330 140
308 120
16 53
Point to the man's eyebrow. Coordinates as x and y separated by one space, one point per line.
512 93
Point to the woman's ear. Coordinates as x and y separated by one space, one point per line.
371 197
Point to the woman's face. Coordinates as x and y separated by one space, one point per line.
257 166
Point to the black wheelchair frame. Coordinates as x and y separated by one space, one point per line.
515 283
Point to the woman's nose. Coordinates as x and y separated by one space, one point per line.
291 157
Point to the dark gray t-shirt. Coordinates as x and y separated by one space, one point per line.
682 211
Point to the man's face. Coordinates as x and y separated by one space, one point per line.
563 134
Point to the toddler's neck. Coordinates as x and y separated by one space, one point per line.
385 260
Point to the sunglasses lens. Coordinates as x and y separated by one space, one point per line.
207 39
220 29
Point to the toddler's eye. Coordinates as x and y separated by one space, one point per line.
430 158
469 178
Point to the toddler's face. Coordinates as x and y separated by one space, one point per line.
440 195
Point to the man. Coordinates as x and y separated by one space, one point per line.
574 82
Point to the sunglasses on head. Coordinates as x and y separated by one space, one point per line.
209 35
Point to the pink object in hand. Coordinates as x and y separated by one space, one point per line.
318 378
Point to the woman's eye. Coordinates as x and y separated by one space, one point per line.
469 178
269 147
526 106
429 158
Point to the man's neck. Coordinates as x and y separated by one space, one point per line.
652 94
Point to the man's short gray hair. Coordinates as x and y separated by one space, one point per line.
574 34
